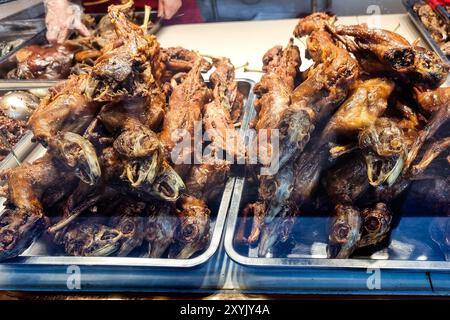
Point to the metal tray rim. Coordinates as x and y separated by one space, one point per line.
318 263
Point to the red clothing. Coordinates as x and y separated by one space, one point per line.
188 13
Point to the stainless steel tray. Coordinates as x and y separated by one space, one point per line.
25 145
38 255
422 29
20 151
410 232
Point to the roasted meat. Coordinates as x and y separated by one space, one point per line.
347 181
436 102
376 223
183 118
58 122
345 232
27 187
217 120
192 233
352 229
385 51
274 97
160 228
317 21
49 62
206 180
311 102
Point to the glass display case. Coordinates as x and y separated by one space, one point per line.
300 153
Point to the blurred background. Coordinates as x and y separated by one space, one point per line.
235 10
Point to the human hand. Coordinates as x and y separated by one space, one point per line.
168 8
63 16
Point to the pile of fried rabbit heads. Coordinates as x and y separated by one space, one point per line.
108 184
364 123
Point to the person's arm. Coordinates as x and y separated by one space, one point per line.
168 8
63 16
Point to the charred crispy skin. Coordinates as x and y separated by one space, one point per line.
376 223
345 232
36 62
223 78
273 98
347 181
27 187
66 109
186 105
160 229
60 120
180 60
437 101
312 101
192 234
271 59
385 51
429 71
314 22
217 120
352 229
273 93
207 179
315 99
132 67
318 47
389 47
